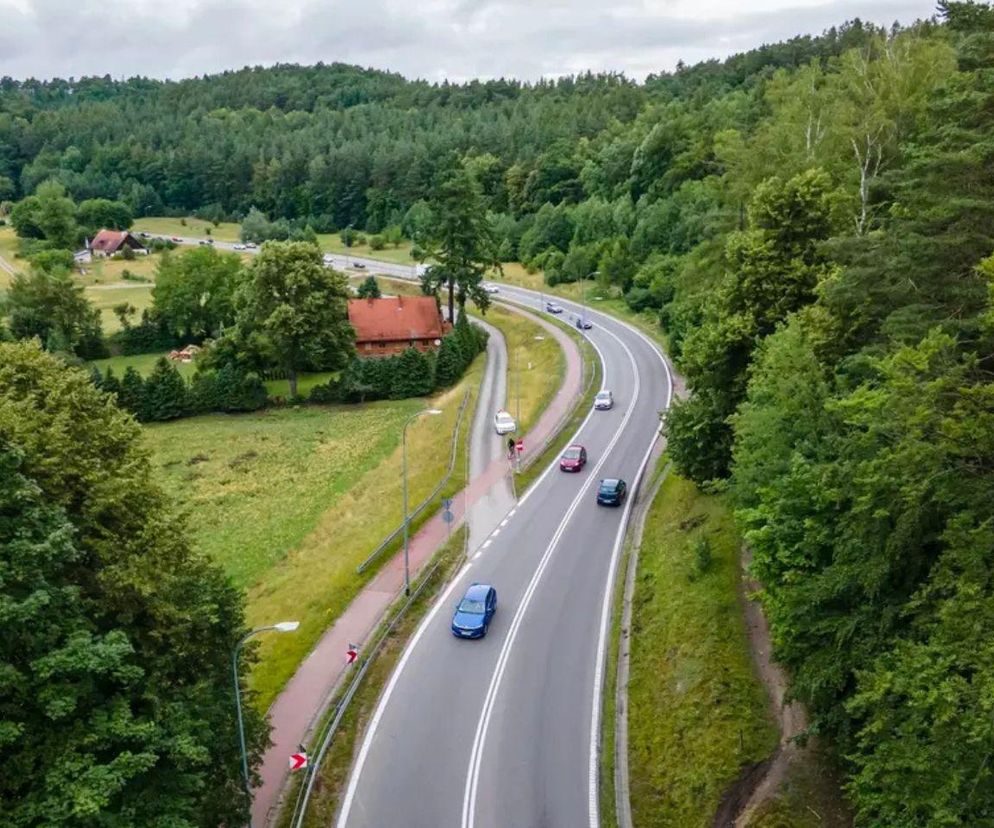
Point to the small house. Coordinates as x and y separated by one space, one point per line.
109 242
388 326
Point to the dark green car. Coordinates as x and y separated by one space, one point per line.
611 492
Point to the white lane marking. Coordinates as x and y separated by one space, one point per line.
486 543
503 523
511 513
343 816
593 769
483 726
477 555
495 533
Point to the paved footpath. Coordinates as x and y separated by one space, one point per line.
307 694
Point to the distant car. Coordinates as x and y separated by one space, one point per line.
611 492
250 245
176 239
504 423
143 234
573 459
552 307
238 247
475 611
206 241
491 288
604 400
327 258
358 265
584 324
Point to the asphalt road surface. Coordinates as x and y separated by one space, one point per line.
504 731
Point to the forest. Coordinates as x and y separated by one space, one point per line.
811 224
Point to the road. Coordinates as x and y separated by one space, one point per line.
504 731
498 732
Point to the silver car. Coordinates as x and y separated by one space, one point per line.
604 400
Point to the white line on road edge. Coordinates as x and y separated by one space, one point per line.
593 773
385 698
479 742
503 523
486 543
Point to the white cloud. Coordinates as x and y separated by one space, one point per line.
435 39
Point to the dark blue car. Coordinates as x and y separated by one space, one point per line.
611 492
472 616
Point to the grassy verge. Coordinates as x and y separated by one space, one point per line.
591 381
809 797
8 252
697 710
401 254
104 300
334 770
193 228
535 365
290 501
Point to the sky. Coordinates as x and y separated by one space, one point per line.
430 39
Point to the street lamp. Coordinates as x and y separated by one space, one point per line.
411 419
283 627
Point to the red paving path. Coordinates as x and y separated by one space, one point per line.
306 695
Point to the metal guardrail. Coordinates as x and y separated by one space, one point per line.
389 539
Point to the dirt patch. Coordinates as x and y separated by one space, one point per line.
197 458
242 459
759 783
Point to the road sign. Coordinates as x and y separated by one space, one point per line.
447 516
352 653
520 446
298 761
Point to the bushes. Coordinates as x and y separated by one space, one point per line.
164 395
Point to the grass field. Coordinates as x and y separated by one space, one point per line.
105 298
697 710
290 500
332 243
194 228
8 251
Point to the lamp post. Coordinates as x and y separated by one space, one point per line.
283 627
411 419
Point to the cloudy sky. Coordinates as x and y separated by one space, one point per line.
433 39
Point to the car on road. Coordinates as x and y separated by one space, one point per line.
489 287
358 265
604 400
143 234
584 324
552 307
504 423
206 241
573 459
176 239
611 492
250 245
238 247
475 611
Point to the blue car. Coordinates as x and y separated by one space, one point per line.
611 492
472 616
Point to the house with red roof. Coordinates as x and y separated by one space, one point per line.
109 242
388 326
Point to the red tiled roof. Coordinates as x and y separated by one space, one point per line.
107 241
395 318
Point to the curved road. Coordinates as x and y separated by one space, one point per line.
504 731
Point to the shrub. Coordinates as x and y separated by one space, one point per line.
377 242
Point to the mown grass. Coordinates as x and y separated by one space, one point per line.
697 710
332 243
105 298
290 501
193 229
334 770
535 367
809 797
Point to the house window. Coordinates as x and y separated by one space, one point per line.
369 346
382 344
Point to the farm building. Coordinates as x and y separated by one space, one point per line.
384 327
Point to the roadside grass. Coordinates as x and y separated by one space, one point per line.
332 243
697 710
809 797
591 383
8 252
194 228
310 573
535 367
334 770
111 271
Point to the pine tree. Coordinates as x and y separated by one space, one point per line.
165 392
451 362
413 375
132 396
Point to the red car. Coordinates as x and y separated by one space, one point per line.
573 459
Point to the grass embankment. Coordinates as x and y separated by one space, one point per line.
697 710
334 770
194 228
290 501
8 252
535 366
